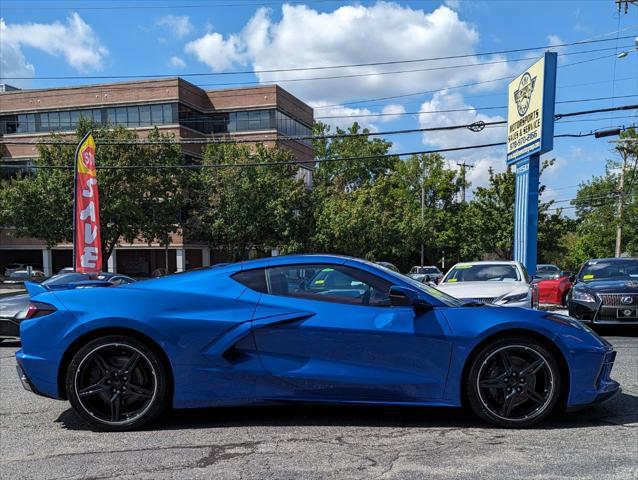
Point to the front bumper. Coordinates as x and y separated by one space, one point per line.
605 388
598 314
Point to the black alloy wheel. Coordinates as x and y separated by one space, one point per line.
514 382
116 383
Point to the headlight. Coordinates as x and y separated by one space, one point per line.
580 296
513 297
568 321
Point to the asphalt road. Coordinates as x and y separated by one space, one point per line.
44 439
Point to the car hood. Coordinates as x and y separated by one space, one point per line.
482 289
610 286
10 306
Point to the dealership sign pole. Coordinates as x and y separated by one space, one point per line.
87 251
530 133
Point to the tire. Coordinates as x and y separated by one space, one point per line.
117 383
517 396
565 299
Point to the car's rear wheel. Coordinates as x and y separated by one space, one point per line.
117 383
514 382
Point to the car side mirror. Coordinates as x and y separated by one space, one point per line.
572 278
406 297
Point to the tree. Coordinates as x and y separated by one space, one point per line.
379 218
135 203
341 175
596 206
251 200
489 221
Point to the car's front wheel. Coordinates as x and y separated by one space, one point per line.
117 383
514 382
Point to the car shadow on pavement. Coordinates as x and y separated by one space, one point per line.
622 410
10 344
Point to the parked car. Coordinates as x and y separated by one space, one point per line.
426 274
499 282
546 270
12 267
606 292
553 285
389 265
21 276
13 308
241 335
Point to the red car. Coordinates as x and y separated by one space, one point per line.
553 284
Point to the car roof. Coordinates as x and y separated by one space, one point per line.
489 262
611 259
299 258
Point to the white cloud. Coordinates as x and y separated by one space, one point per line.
13 63
390 111
215 51
177 62
556 40
76 41
345 116
179 26
483 158
352 34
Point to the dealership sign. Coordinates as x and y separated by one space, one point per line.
87 251
530 132
530 110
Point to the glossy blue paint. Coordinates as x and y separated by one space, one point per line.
230 345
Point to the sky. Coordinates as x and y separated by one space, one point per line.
207 40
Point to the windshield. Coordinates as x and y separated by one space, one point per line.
425 270
64 278
547 271
484 272
600 269
433 292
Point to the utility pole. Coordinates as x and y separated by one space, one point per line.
621 198
463 166
422 165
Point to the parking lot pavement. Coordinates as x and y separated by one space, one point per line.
44 439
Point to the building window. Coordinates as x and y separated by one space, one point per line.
65 120
145 115
167 111
156 114
120 116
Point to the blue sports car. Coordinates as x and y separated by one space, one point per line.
304 328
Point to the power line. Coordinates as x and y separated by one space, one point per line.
352 65
102 88
475 127
453 87
477 109
291 162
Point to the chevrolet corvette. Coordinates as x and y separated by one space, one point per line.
310 329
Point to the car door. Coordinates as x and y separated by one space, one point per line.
329 331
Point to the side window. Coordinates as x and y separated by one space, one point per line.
332 283
253 279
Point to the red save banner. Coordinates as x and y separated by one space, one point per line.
86 244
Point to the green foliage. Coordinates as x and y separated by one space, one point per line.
134 203
251 199
254 207
597 208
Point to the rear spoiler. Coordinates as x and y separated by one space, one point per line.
34 289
